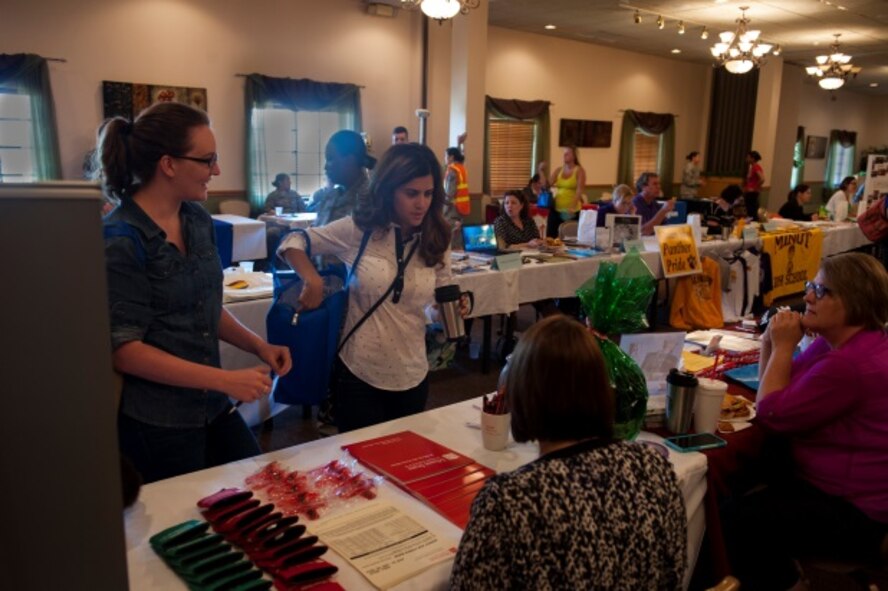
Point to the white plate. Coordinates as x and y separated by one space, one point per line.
745 419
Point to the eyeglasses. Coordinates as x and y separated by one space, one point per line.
210 160
820 290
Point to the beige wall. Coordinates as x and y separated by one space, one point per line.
819 114
205 43
587 81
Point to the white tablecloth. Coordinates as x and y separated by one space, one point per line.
502 292
166 503
252 315
248 237
292 221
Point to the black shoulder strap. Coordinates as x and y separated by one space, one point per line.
380 300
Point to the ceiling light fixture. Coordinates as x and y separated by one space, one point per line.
442 10
637 18
740 51
676 50
777 50
704 34
681 28
874 84
550 27
661 22
833 69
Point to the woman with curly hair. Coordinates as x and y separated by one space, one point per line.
381 372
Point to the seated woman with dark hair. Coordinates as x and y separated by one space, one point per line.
514 227
590 512
831 405
792 209
729 207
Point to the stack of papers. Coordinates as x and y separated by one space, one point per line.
444 479
731 340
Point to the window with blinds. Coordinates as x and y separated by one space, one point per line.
17 154
293 142
647 153
511 154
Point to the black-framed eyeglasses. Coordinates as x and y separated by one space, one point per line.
819 289
210 160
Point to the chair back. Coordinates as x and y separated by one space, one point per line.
568 229
491 212
235 207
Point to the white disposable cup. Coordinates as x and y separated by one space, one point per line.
246 266
495 430
278 210
707 405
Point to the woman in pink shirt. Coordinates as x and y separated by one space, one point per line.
753 183
831 403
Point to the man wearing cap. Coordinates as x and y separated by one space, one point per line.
283 196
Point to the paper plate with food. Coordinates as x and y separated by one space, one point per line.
552 245
736 409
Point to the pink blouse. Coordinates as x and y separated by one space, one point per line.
835 409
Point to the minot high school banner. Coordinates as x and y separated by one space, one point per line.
795 258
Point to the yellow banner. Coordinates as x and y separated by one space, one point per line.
795 258
678 251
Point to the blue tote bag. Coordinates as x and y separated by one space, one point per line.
311 335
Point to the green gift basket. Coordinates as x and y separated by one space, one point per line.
615 301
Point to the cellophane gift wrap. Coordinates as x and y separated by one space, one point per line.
615 301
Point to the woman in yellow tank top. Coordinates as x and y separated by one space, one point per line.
568 181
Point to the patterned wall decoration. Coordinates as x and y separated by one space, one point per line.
127 99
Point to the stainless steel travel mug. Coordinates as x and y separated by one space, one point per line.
680 393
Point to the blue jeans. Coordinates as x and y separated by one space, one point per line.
358 404
164 452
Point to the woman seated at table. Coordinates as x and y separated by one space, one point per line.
621 204
831 404
165 296
514 227
283 196
839 205
729 207
590 512
793 208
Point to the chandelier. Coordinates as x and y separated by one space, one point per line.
740 51
833 69
442 10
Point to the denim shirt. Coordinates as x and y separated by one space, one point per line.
167 300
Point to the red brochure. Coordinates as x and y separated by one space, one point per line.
406 457
442 478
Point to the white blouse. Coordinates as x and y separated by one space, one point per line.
388 351
837 206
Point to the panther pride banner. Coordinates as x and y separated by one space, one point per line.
795 258
678 251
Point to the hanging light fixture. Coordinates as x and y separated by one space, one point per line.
442 10
637 17
661 22
833 69
681 27
704 34
740 51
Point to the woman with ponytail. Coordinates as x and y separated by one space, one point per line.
165 297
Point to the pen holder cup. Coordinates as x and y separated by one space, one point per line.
495 430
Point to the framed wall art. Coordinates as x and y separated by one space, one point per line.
127 99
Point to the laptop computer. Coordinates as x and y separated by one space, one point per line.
480 240
679 215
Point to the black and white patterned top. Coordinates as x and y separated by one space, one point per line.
508 233
584 517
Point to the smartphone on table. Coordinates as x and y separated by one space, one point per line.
694 442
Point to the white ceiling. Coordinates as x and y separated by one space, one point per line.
803 28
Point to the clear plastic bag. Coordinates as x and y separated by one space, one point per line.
315 492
